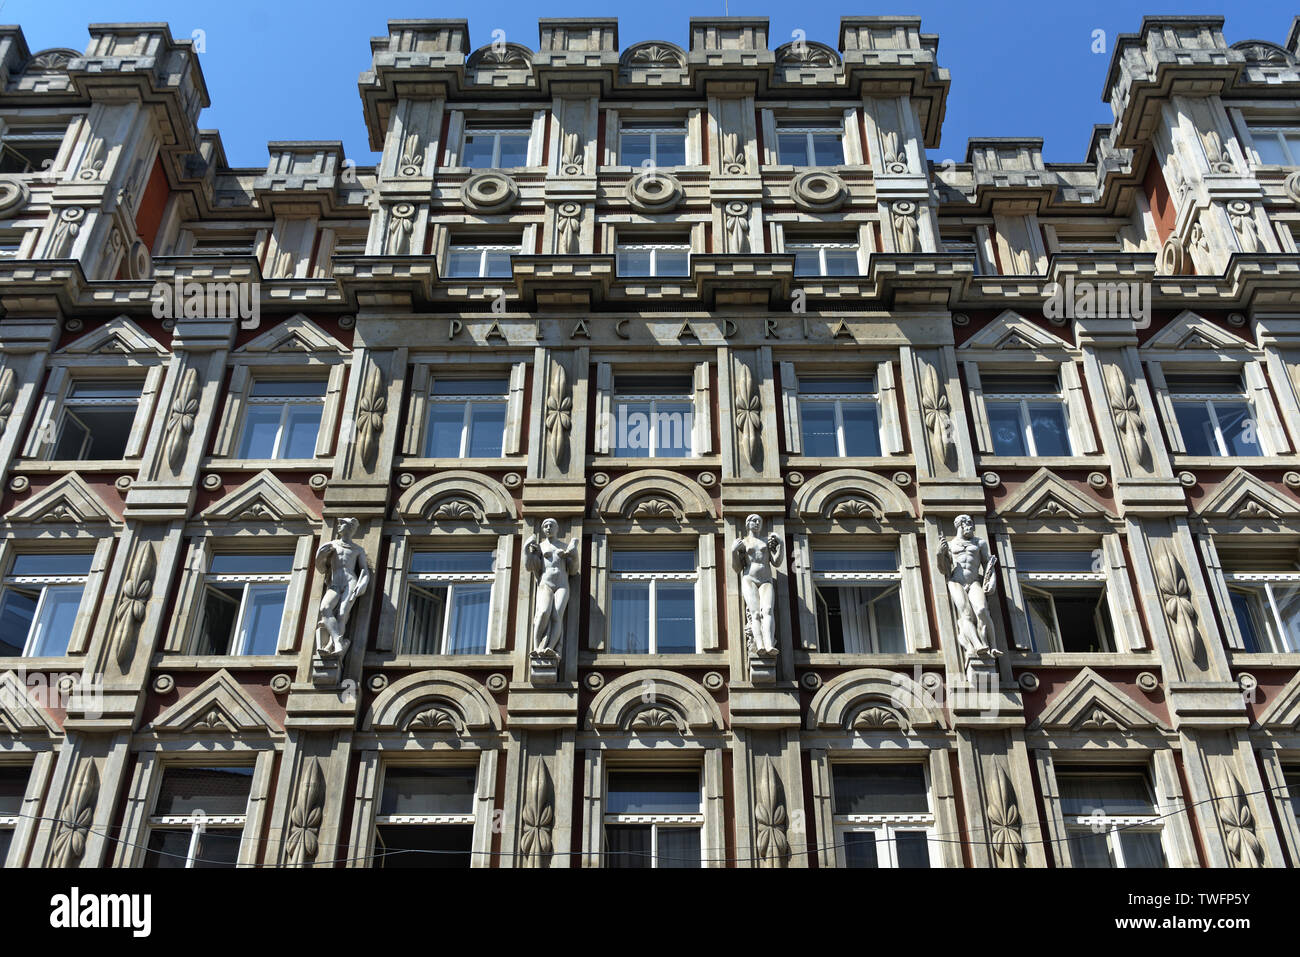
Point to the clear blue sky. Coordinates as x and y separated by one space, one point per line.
287 69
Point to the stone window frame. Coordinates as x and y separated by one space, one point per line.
25 236
460 115
1147 751
330 231
934 839
100 544
154 757
1064 363
65 370
38 751
1275 533
1276 755
701 372
245 369
888 401
1262 115
1096 535
515 441
182 631
492 230
774 113
693 121
402 544
805 228
74 120
694 225
189 233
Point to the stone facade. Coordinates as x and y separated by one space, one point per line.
713 312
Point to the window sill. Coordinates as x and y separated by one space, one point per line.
849 461
325 463
77 465
504 462
1231 461
829 659
611 462
501 659
1042 461
19 663
1100 659
606 659
177 662
1264 659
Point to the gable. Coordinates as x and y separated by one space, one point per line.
19 714
118 337
263 498
1044 495
296 335
1192 332
1011 331
69 500
1090 703
218 706
1243 497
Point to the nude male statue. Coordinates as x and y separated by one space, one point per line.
342 564
968 565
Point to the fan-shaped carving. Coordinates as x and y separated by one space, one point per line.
654 53
418 701
807 53
824 494
501 56
654 699
447 495
874 699
624 495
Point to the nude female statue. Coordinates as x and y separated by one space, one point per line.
753 558
551 560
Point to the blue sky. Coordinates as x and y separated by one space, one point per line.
287 69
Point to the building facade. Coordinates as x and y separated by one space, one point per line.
903 514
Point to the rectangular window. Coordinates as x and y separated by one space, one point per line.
467 418
652 144
479 261
31 149
448 602
1065 599
810 144
962 244
13 789
282 419
1111 818
859 601
1026 414
97 419
1291 776
652 601
824 258
653 416
1277 145
198 819
243 604
223 244
1086 244
1266 604
653 819
653 259
426 818
839 416
39 602
1214 415
499 147
882 815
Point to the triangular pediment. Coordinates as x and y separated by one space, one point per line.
1284 712
1243 497
68 501
1012 331
118 337
296 335
263 498
19 714
1090 703
218 706
1045 496
1192 332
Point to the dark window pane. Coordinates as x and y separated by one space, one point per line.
1047 420
817 427
912 849
861 429
993 384
628 845
251 564
1239 428
212 791
835 385
428 791
430 562
1141 849
471 387
859 849
792 148
634 149
1076 611
1246 608
675 618
855 560
289 388
679 847
1059 560
431 845
653 792
827 150
670 149
1006 428
880 789
514 150
6 838
50 564
1196 428
94 432
220 608
1090 850
218 847
1094 791
13 785
168 848
17 610
477 151
842 262
658 560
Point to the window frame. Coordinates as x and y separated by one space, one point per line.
1177 397
886 824
653 577
419 820
821 246
1039 582
1114 824
91 586
1255 129
654 248
654 127
1022 401
469 400
1251 583
846 579
872 399
496 130
449 580
199 823
250 582
655 821
810 128
287 402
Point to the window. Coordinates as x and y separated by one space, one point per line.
1291 777
11 243
1065 599
487 147
282 419
962 244
480 261
653 819
198 819
1083 243
1214 415
652 144
882 815
39 602
653 259
467 418
859 601
426 818
1276 145
1266 605
652 602
810 144
97 420
448 601
1026 414
31 149
223 244
13 788
839 416
654 415
1111 819
824 258
243 604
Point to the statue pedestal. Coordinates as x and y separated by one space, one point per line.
543 669
762 670
982 674
326 672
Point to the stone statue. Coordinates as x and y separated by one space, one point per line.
551 561
968 565
342 564
753 558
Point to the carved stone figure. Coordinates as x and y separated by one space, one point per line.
968 565
342 563
551 560
753 557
